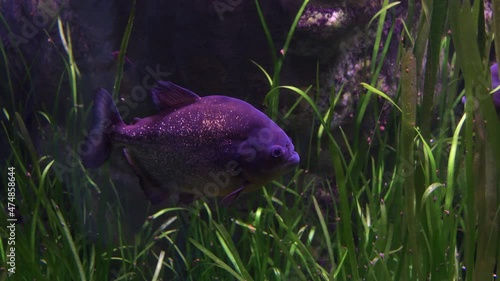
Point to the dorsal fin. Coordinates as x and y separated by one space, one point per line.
167 95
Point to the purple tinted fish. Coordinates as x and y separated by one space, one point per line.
206 146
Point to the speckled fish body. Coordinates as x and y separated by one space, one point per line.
209 146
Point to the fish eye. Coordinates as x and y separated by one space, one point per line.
276 152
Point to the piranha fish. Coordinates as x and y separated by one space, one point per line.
204 146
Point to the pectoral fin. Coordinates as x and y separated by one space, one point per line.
152 189
231 197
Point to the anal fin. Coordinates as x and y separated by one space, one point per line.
231 197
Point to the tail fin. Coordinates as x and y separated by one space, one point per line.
98 143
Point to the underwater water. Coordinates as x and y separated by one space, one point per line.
249 140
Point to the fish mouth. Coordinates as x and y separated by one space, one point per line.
293 160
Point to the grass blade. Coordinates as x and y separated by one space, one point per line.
123 50
71 243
